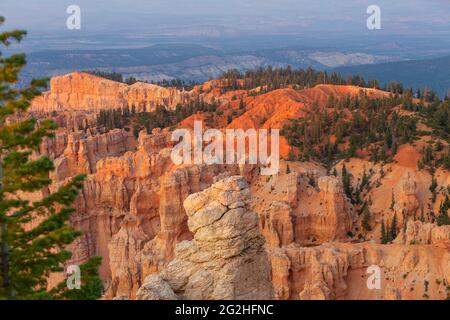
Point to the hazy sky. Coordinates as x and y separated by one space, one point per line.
110 15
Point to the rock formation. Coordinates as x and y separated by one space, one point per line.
82 91
340 271
131 209
226 258
406 201
417 232
291 210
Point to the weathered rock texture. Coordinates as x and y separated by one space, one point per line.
406 200
417 232
131 209
340 271
291 210
83 91
226 258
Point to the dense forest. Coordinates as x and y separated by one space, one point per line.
376 126
275 78
159 118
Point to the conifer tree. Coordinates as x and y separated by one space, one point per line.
346 181
366 218
241 104
29 254
383 236
433 188
443 218
392 200
393 228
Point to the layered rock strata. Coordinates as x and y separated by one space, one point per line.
226 258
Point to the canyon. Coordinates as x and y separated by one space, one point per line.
197 231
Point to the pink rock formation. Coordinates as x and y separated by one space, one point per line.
340 271
82 91
291 210
131 209
406 201
417 232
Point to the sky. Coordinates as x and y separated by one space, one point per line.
299 16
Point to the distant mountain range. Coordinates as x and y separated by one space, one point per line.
188 61
201 62
432 73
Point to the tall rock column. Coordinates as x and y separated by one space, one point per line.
226 259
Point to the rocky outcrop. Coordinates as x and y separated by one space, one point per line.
406 200
336 219
341 271
131 209
226 258
82 151
79 91
134 210
155 288
417 232
288 210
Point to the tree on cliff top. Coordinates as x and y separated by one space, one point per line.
30 252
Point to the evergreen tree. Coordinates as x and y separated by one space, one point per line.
393 228
443 218
29 254
241 104
433 188
358 195
346 181
383 236
366 218
364 180
392 200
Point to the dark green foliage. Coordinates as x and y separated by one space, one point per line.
364 181
29 254
437 116
443 218
393 229
159 118
389 231
433 188
176 83
275 78
91 284
374 125
392 200
118 77
347 182
384 235
366 218
241 104
114 76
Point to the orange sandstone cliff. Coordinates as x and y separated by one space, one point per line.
297 229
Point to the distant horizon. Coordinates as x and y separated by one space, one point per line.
399 17
323 34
